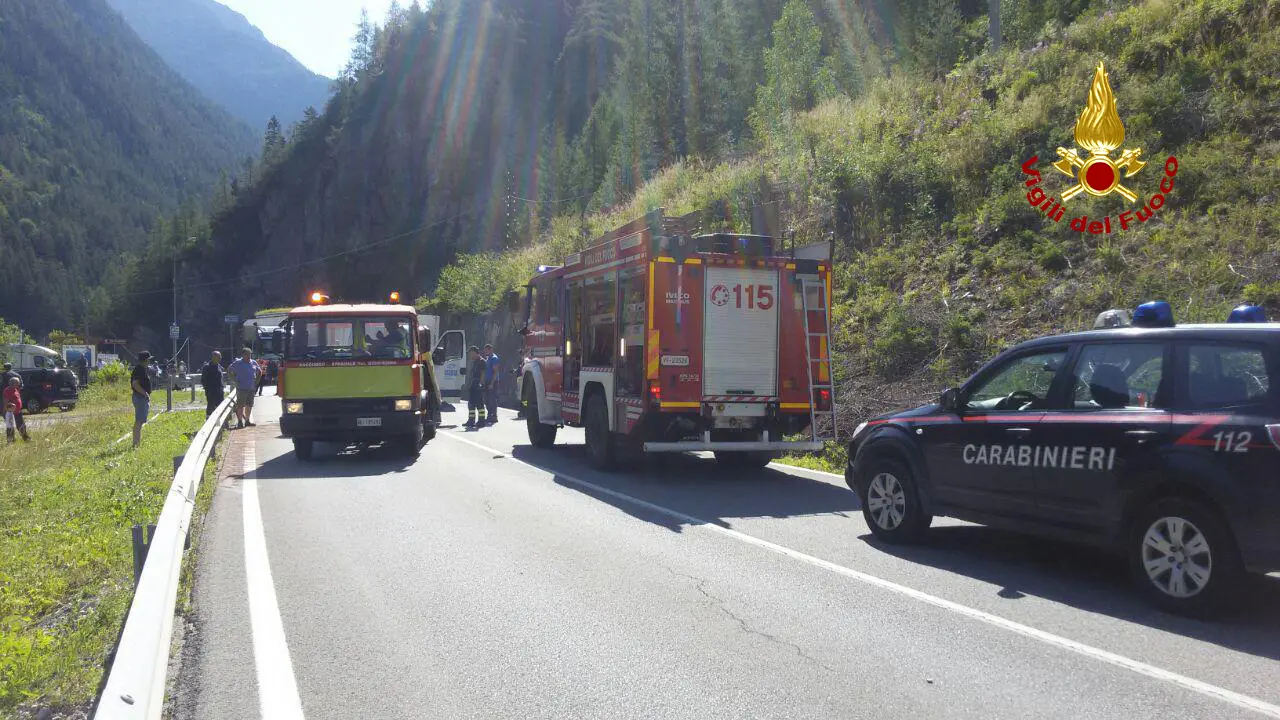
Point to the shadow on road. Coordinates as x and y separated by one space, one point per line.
331 460
1091 580
694 486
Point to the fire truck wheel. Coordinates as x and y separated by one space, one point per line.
412 442
540 435
302 449
599 439
744 460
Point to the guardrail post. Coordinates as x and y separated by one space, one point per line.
141 542
139 553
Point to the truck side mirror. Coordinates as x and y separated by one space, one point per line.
437 356
424 339
948 400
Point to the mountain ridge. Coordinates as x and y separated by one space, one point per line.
227 58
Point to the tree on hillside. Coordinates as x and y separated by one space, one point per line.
273 141
795 74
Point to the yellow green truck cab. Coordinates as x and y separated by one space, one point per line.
357 373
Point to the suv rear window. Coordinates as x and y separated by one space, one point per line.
1119 376
1226 375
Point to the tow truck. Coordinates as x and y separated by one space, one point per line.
659 340
357 373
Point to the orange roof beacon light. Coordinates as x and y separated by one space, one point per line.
319 298
395 297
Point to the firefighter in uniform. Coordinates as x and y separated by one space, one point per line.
476 367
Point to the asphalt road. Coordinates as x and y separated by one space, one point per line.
488 579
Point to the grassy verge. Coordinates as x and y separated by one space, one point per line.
67 501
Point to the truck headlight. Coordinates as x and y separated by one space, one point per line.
404 405
293 408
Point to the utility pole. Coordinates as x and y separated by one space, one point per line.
173 337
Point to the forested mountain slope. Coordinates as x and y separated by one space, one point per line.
98 138
219 52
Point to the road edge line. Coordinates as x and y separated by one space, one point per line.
1044 636
277 687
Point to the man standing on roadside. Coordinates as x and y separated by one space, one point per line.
10 374
245 374
492 371
211 381
140 382
475 388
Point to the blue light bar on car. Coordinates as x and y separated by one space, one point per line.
1153 314
1247 314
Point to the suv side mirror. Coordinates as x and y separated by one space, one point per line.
437 356
948 400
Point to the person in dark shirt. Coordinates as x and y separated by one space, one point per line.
211 381
475 388
140 382
10 374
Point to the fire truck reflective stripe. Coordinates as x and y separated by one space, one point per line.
666 405
666 259
791 266
653 362
794 406
693 261
738 399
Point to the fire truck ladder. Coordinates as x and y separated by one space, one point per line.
813 298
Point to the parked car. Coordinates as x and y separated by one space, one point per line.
49 387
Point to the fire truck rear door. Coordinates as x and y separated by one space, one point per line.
740 332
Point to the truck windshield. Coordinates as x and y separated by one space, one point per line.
347 338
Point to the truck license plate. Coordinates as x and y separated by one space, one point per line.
368 422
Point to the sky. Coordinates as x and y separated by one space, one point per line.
316 32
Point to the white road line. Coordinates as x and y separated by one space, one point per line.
1244 701
277 688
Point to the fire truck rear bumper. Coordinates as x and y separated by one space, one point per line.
731 446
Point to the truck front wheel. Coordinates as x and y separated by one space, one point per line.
302 449
540 435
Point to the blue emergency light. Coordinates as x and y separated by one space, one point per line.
1247 313
1153 315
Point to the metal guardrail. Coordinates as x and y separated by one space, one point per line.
135 686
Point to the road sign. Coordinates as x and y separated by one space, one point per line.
174 332
231 319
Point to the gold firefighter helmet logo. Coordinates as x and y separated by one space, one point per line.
1100 132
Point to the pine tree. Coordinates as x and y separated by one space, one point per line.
795 74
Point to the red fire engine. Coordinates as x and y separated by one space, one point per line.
658 340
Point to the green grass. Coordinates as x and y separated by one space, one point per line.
67 501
